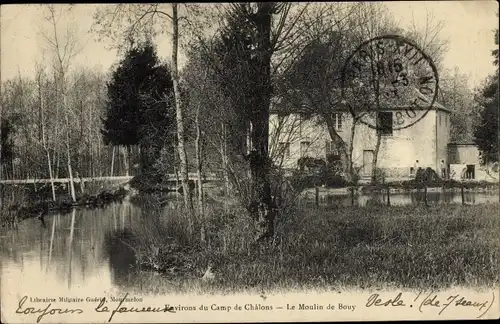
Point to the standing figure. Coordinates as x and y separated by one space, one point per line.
443 170
416 168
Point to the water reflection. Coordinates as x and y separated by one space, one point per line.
119 246
80 249
402 199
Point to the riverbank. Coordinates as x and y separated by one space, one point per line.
406 189
436 184
17 210
151 184
406 247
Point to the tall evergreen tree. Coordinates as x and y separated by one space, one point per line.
246 48
7 147
139 110
237 75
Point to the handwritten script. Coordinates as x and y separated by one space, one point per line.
44 311
102 308
432 300
437 303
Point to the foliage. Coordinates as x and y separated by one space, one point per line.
6 140
236 69
426 175
140 102
454 94
486 135
245 48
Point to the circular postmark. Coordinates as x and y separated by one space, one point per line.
389 82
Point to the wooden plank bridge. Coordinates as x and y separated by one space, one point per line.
210 177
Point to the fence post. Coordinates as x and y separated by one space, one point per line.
444 193
388 196
317 196
462 192
425 195
352 196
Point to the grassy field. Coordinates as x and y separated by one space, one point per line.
346 247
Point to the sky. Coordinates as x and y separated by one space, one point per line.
469 27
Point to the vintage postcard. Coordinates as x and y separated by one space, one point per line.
249 162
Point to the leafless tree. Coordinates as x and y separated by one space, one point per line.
311 86
455 94
40 78
128 23
63 49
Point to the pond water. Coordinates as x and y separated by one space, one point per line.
402 199
69 251
83 249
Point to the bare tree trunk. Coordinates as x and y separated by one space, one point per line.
70 173
351 149
375 174
51 175
55 158
13 168
49 162
112 160
1 165
337 139
176 183
56 155
118 162
68 152
125 152
42 137
179 114
262 206
99 157
378 131
199 163
129 150
225 162
90 146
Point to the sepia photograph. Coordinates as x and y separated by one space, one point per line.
249 162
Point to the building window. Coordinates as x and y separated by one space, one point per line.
304 146
337 121
470 171
439 120
385 122
332 152
331 148
284 149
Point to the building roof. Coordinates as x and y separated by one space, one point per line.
386 103
461 144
